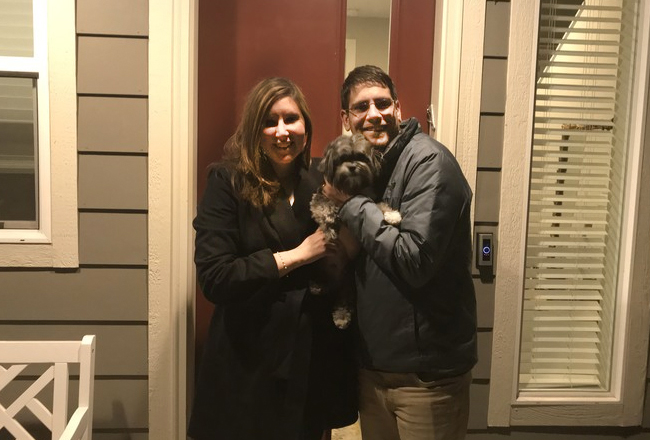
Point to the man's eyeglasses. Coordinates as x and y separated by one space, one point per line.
359 109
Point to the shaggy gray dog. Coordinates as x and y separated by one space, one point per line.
350 166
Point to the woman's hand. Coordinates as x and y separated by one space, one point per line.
311 249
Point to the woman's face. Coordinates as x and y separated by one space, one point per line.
283 135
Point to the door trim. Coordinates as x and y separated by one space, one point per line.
446 70
172 189
470 77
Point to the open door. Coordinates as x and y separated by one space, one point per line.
243 41
411 55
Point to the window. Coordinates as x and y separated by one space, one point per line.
577 181
19 153
575 264
38 200
24 114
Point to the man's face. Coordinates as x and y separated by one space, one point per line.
373 113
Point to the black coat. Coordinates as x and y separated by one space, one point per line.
274 364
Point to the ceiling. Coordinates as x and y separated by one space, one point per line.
369 8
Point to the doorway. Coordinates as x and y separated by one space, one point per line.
244 41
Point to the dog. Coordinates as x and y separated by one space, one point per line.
350 166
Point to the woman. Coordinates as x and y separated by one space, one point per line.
274 365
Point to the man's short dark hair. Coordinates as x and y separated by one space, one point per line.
365 75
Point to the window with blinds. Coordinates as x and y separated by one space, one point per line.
577 186
23 92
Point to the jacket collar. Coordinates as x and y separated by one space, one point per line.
408 129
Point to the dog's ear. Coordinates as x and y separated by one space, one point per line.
322 164
332 157
326 165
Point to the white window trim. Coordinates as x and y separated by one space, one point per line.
505 408
55 244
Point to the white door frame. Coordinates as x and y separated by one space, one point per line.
172 200
173 44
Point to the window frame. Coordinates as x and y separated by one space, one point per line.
624 406
55 242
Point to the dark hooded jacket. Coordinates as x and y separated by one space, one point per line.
416 305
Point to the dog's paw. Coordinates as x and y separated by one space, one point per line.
391 216
342 317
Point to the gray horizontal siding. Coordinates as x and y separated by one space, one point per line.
488 187
490 141
121 350
113 110
493 91
112 66
113 182
112 124
484 303
86 295
115 17
112 238
107 295
118 404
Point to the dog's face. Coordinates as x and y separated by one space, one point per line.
349 164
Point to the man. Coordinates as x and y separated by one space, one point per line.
416 306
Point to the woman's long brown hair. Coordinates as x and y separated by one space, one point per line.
253 175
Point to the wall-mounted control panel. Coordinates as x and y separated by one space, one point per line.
484 250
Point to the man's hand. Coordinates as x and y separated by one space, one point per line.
336 196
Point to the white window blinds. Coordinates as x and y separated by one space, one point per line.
16 28
576 192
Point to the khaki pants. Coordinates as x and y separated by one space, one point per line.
402 406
